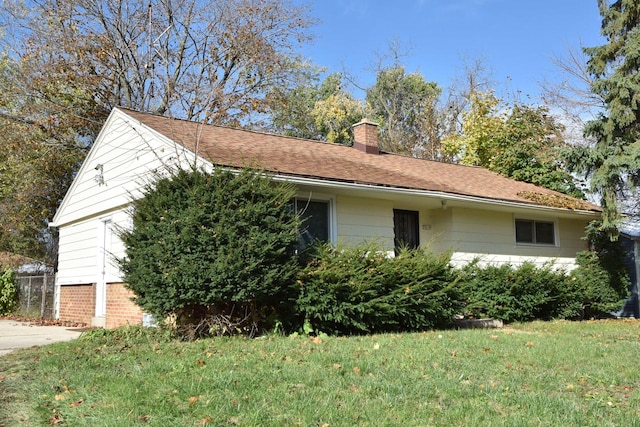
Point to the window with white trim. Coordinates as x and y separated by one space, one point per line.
535 232
315 217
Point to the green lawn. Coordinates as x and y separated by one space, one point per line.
538 374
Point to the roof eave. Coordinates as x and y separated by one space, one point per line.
433 194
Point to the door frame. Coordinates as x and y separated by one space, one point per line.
105 233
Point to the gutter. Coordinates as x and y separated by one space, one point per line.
427 193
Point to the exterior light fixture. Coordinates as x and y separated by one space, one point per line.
99 178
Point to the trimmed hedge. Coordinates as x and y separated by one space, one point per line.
515 294
359 290
528 292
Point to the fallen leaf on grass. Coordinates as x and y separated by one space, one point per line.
316 340
76 403
57 418
59 397
201 362
205 421
144 418
454 353
529 344
356 370
192 401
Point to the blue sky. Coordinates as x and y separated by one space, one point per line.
516 39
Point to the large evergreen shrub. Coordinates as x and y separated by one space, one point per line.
601 280
9 297
522 293
209 244
599 288
353 290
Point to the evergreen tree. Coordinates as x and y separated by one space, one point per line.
613 163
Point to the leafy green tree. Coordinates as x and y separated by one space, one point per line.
523 142
612 164
37 162
335 116
64 64
207 244
322 111
481 122
405 106
531 150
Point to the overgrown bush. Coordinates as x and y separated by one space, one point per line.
9 298
213 244
601 279
359 290
599 288
522 293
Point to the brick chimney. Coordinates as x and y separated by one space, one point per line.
365 136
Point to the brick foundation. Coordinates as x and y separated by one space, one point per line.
120 309
77 303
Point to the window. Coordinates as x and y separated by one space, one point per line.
535 232
315 221
406 229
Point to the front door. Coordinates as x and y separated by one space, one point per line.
406 229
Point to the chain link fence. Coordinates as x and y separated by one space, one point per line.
36 294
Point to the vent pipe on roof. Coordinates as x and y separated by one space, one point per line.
365 136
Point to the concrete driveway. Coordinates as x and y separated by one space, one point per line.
17 334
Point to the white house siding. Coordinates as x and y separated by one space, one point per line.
572 235
365 220
128 154
441 223
490 236
78 256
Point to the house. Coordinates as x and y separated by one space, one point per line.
352 194
630 240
